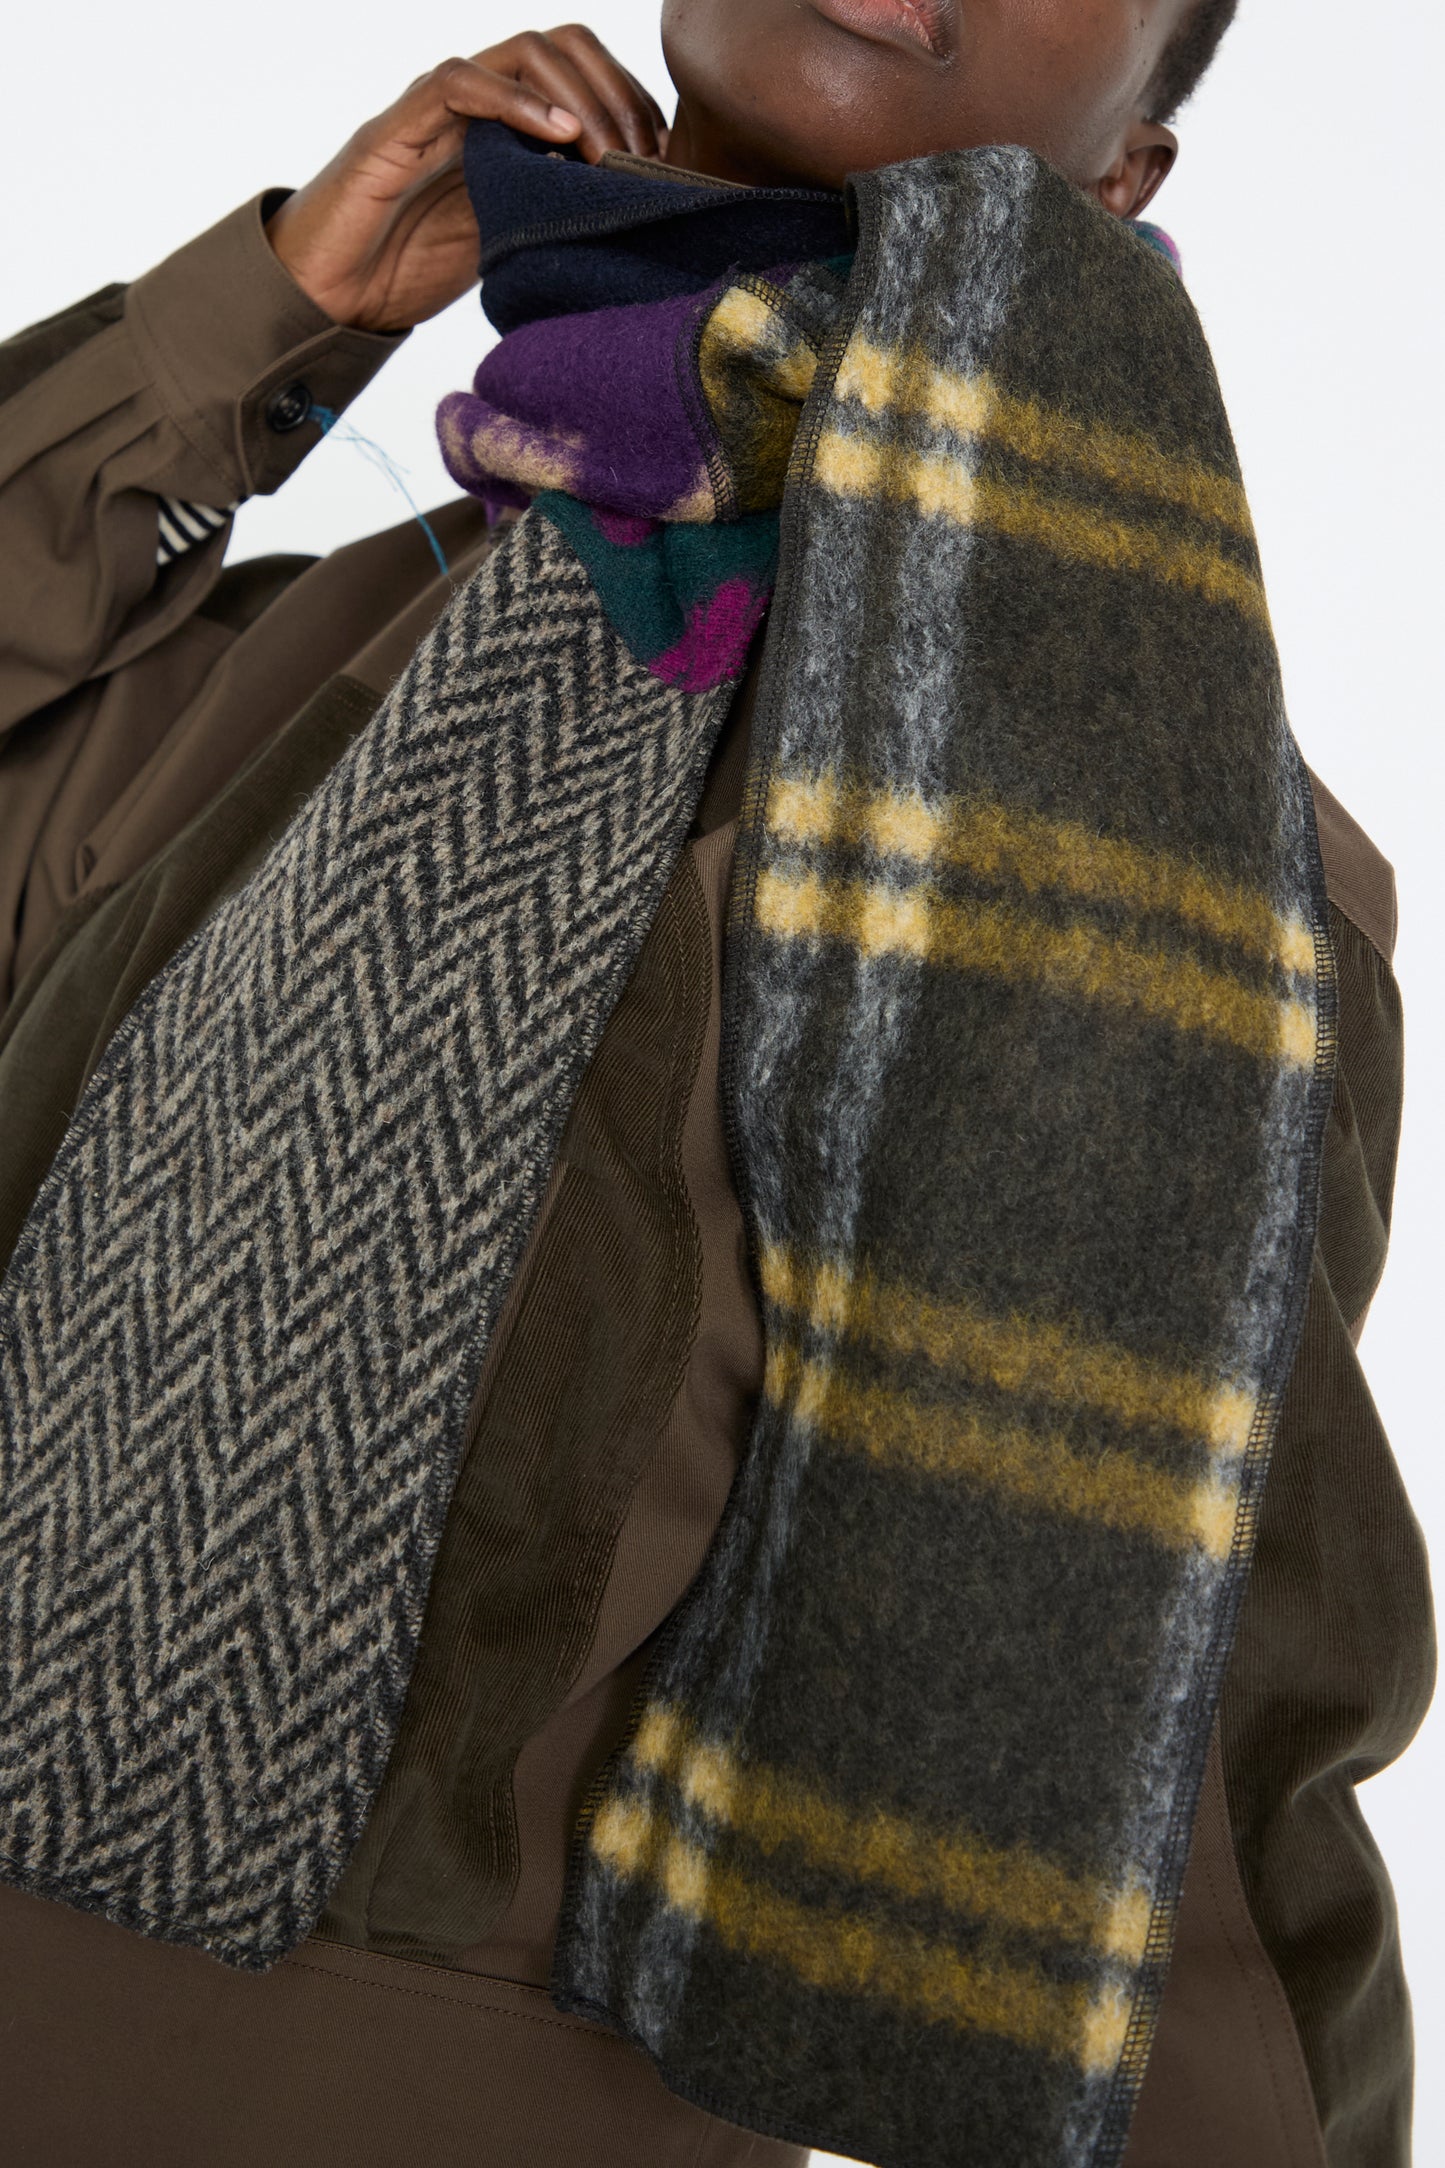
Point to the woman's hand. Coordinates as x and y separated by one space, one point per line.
384 237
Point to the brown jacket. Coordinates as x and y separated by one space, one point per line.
162 723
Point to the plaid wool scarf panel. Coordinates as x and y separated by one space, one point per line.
1028 1048
1029 1032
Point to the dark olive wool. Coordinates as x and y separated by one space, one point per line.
1028 1047
888 1861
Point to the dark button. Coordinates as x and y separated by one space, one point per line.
287 408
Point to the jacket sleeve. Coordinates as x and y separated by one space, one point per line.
131 426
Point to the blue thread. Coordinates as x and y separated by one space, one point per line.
331 424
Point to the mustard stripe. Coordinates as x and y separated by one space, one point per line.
1045 1471
1020 1355
1077 961
744 326
1012 1886
1093 538
743 317
943 488
792 374
974 406
695 507
846 1953
538 458
998 842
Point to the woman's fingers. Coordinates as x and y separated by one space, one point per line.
379 238
537 62
561 85
472 90
634 109
569 68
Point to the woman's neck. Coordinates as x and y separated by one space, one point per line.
697 144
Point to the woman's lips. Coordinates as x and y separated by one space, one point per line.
891 22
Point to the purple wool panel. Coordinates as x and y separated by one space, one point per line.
593 405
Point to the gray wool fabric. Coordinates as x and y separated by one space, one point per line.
1028 1048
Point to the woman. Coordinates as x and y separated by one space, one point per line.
169 719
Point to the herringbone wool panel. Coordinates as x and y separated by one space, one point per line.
240 1333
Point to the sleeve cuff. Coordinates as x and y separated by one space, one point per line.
240 356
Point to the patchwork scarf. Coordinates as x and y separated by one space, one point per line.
1028 1048
653 424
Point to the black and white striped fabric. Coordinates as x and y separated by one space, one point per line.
183 525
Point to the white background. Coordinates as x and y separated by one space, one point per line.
1307 203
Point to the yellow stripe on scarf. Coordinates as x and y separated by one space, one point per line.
1038 853
1114 1488
846 1953
1078 961
943 488
883 380
1018 1354
744 325
756 368
1009 1886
